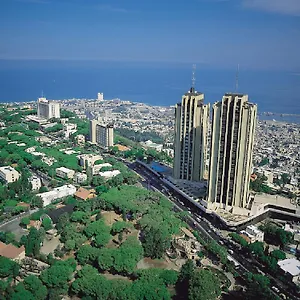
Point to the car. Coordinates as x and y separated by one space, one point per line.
222 243
230 251
275 289
198 219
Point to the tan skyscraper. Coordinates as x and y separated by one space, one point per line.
101 133
233 127
190 144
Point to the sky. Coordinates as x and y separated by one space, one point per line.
257 34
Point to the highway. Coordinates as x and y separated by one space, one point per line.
203 224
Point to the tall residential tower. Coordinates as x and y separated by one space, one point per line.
190 144
48 109
101 133
232 138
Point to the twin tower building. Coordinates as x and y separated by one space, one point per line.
222 152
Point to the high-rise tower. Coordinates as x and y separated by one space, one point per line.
232 138
191 125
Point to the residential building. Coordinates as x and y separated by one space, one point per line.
65 173
69 129
48 109
191 125
80 139
102 133
110 174
232 138
253 233
151 145
9 174
12 252
291 268
80 178
97 168
88 160
100 96
84 194
35 183
57 193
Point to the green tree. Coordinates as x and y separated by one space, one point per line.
278 254
47 224
63 220
87 254
25 221
120 226
33 242
204 285
258 287
34 285
79 216
257 248
156 241
58 275
8 267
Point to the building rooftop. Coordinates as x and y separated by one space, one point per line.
291 266
7 169
10 251
63 169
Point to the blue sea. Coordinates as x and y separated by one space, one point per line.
152 83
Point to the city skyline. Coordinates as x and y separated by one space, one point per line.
256 34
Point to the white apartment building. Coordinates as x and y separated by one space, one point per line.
88 160
9 174
80 178
57 193
35 183
253 233
97 168
69 129
100 97
80 139
48 109
65 173
110 174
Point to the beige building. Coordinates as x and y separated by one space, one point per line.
9 174
66 173
102 134
48 109
233 127
88 160
191 126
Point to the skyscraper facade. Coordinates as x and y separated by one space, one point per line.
190 144
48 109
101 133
232 138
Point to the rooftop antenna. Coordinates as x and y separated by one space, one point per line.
237 78
193 75
42 94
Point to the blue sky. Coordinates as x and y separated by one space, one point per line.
257 34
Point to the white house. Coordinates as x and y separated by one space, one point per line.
109 174
97 168
9 174
63 172
80 178
35 183
253 233
291 268
57 193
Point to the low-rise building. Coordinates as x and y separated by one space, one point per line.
57 193
9 174
80 139
84 194
80 178
88 160
291 268
253 233
151 145
110 174
12 252
35 183
65 173
69 129
97 168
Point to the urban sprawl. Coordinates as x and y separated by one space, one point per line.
113 199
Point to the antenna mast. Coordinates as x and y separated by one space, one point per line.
193 75
237 78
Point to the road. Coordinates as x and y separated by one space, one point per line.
206 226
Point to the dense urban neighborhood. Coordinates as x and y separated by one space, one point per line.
88 210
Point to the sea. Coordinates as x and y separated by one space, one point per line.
153 83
